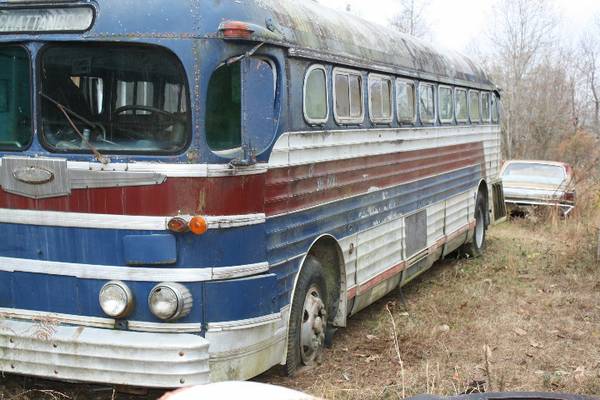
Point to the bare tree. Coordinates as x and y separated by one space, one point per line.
411 19
521 38
588 64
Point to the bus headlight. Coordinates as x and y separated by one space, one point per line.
170 301
116 299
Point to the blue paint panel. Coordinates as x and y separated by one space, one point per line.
240 298
5 290
49 293
150 249
216 248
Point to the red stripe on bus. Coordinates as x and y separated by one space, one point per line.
294 188
189 196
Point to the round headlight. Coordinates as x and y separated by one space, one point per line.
170 301
116 299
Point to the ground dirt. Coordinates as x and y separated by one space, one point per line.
524 317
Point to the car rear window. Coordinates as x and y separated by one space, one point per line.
535 172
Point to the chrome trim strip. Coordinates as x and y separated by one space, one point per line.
46 318
244 324
171 170
102 272
121 222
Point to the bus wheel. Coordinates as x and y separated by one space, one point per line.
308 318
477 246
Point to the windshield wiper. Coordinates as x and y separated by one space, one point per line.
66 111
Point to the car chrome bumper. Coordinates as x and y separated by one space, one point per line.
518 203
47 350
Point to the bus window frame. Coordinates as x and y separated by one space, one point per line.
411 83
315 121
348 120
495 106
447 121
32 99
39 100
485 93
382 78
461 120
478 121
435 108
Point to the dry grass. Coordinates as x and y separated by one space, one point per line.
525 317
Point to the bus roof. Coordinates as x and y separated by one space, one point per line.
315 31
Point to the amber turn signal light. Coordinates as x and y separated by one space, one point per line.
198 225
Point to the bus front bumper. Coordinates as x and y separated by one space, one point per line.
160 360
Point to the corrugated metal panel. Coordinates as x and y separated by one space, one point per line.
436 222
299 148
379 249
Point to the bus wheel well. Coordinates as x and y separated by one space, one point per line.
484 191
327 251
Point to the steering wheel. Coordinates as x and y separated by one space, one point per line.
139 107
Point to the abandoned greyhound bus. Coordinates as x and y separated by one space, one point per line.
196 191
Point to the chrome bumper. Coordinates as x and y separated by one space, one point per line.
86 354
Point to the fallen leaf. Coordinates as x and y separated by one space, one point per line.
372 337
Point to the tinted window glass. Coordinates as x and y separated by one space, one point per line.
114 97
380 92
474 111
15 99
485 107
224 109
405 97
315 96
427 103
446 104
462 110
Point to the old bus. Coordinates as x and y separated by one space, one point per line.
195 190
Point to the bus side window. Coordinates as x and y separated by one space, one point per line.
224 109
427 103
405 99
474 109
348 98
485 107
446 104
380 99
495 111
462 110
316 101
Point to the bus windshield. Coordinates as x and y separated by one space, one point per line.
15 98
119 98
